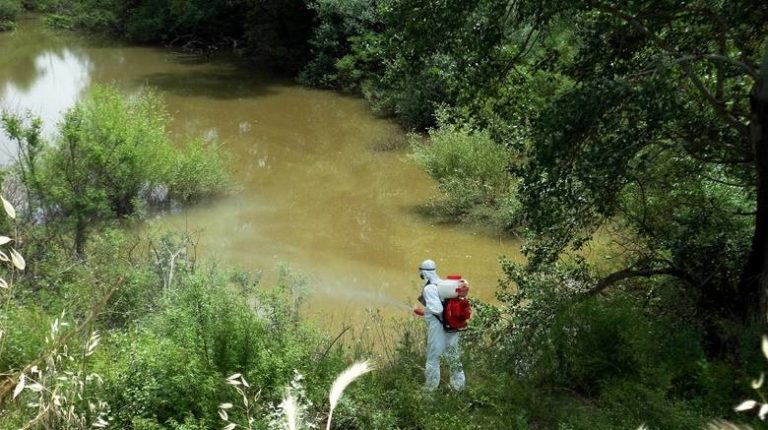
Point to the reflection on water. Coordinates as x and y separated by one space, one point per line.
42 75
59 79
311 190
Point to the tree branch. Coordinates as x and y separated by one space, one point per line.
687 69
719 59
628 273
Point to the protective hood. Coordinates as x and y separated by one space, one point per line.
430 276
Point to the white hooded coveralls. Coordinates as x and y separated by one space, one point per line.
439 342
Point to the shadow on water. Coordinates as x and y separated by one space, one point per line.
223 76
214 84
442 213
436 212
187 59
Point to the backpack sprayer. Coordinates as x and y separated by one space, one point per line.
453 291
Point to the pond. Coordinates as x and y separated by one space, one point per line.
312 189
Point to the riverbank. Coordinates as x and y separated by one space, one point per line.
310 190
657 331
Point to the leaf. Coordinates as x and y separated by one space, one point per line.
3 284
20 385
745 406
235 376
757 383
225 406
4 256
765 346
763 412
223 414
4 240
18 260
8 208
36 387
229 426
92 343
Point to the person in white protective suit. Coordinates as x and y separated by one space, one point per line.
439 341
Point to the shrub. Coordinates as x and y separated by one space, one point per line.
25 329
472 171
205 315
197 172
338 24
112 155
152 377
9 12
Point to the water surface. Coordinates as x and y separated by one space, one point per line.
311 190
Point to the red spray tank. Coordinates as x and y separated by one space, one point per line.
453 291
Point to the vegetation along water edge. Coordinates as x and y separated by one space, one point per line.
560 122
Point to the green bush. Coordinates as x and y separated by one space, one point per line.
337 24
112 156
204 314
472 171
9 12
152 377
597 343
197 172
55 20
26 329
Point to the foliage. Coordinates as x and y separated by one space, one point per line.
61 391
164 20
656 126
471 169
757 386
338 24
112 155
9 11
563 121
277 34
291 413
156 378
199 171
175 22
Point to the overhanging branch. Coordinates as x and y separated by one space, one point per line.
629 273
720 59
686 66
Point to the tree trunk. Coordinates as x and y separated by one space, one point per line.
753 288
80 237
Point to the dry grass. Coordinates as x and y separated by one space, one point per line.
290 414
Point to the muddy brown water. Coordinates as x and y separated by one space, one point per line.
312 192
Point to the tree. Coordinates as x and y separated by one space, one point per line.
111 155
659 133
109 149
